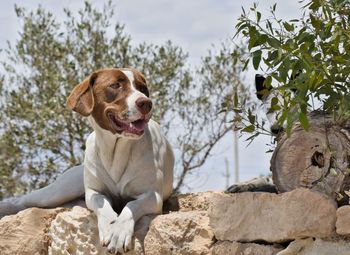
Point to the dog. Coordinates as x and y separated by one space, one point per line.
127 159
265 95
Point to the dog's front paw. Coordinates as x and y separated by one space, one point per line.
120 235
104 231
116 233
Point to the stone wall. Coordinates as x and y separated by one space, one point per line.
298 222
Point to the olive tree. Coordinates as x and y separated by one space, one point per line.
306 62
306 59
40 137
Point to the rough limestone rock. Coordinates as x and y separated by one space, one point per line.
343 221
190 202
235 248
179 233
274 218
25 232
75 232
316 246
238 220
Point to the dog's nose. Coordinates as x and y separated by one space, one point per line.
276 129
144 105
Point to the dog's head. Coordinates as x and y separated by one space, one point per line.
265 94
116 98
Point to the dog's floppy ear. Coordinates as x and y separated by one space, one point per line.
81 99
261 89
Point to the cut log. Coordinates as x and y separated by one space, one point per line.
318 159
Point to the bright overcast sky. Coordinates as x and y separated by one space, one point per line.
193 25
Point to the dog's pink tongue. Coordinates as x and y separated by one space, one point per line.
139 125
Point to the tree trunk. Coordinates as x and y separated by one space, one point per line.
318 159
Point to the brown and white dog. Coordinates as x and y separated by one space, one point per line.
126 158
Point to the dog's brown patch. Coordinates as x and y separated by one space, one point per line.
104 91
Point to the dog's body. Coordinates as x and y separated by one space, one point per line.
126 158
120 169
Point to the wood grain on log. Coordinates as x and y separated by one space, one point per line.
318 159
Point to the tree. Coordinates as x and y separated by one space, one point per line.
40 137
305 60
203 111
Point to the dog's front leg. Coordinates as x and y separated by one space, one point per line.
106 216
123 227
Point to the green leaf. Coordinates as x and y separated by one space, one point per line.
288 27
268 81
290 119
249 129
274 43
256 59
269 26
274 101
274 7
235 100
258 16
304 120
251 117
246 62
251 138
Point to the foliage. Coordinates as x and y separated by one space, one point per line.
309 55
203 111
40 138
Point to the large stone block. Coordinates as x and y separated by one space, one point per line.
75 232
179 233
25 232
343 221
316 246
248 217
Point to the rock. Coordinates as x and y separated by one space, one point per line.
240 218
343 221
249 217
76 232
189 202
179 233
25 232
316 246
235 248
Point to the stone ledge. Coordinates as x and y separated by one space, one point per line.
245 219
273 218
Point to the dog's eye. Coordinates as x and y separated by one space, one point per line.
144 91
116 85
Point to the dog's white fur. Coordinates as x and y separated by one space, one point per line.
120 168
116 168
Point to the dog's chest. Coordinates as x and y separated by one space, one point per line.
115 159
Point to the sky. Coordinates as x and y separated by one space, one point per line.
195 25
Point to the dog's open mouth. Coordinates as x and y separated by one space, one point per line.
136 127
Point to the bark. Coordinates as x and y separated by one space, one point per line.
318 159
